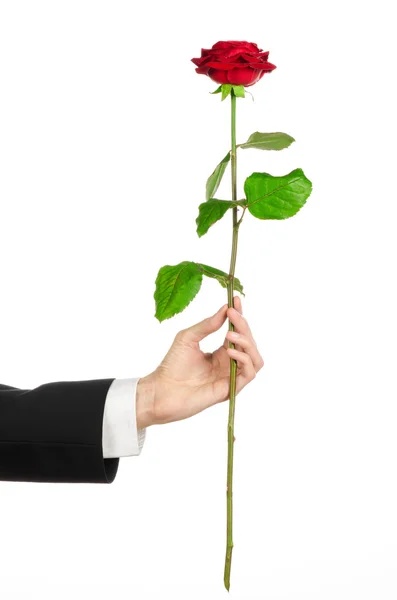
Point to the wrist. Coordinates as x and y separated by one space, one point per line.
145 401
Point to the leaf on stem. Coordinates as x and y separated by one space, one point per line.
210 212
222 277
226 89
219 89
276 197
215 178
239 91
268 141
176 286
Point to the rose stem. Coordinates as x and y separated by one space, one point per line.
233 362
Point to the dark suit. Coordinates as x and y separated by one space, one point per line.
53 433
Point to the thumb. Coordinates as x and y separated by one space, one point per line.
200 330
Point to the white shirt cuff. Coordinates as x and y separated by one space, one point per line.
120 435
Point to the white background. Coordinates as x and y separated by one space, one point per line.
107 136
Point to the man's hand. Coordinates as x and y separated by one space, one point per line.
188 380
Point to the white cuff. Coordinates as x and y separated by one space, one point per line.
120 435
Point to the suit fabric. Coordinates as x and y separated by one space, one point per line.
53 433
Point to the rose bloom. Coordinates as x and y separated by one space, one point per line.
237 63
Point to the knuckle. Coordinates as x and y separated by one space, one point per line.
180 335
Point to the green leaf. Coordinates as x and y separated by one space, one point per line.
268 141
276 197
215 178
226 89
176 286
222 277
239 91
219 89
210 212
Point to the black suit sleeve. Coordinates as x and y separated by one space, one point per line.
53 433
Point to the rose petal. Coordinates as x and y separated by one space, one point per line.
218 76
235 62
266 66
251 57
245 76
223 66
202 70
269 66
197 61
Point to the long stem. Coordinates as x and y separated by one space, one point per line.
233 362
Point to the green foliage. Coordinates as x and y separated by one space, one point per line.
210 212
267 197
276 197
226 89
262 141
215 178
177 285
239 91
268 141
222 277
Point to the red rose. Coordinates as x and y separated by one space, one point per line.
237 63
